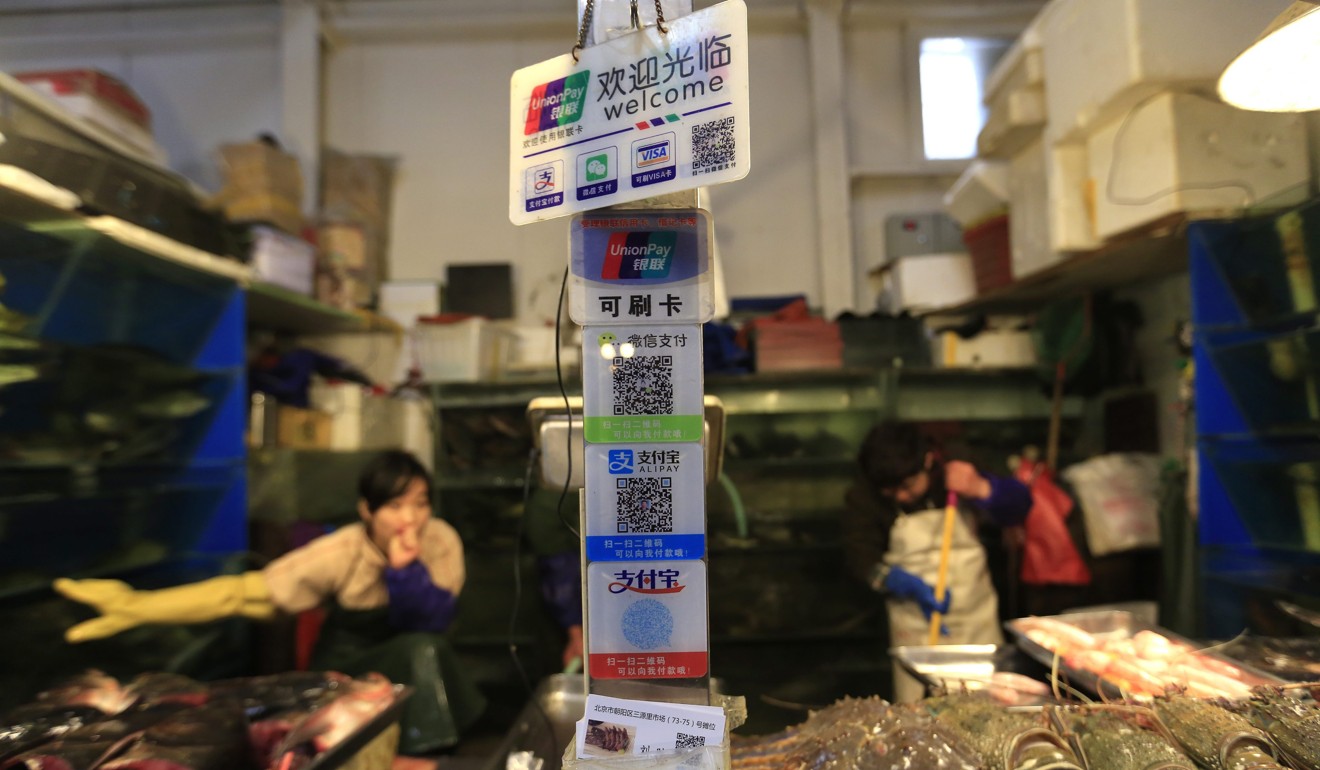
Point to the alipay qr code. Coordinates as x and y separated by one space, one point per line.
643 385
713 146
645 504
685 741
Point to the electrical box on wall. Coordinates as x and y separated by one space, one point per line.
908 235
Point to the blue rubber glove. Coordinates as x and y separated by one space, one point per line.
904 585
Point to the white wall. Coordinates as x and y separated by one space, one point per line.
433 103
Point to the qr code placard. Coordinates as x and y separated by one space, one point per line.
644 504
643 385
685 741
713 146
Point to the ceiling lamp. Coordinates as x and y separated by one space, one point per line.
1280 72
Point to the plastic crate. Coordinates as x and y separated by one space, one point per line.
992 259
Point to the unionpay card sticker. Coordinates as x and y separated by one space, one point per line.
647 620
641 267
613 727
642 384
645 502
646 114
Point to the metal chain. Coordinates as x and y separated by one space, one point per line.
636 23
582 30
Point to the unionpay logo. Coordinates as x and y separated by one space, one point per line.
639 255
656 153
621 462
557 103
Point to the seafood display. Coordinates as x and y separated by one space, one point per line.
1005 740
1142 665
1113 740
1218 739
859 734
170 722
1293 724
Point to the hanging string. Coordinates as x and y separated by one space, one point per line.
582 30
633 17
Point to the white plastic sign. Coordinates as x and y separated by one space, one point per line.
645 502
642 384
641 115
616 727
648 620
641 267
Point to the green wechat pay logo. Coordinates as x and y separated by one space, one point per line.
598 167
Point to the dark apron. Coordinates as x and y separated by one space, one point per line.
445 700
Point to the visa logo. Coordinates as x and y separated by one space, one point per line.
652 154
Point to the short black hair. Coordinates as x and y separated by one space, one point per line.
892 452
387 476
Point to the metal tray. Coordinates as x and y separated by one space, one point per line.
951 666
343 752
1116 624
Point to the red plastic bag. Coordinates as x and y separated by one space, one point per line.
1049 556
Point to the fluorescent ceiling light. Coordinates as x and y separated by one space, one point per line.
1279 72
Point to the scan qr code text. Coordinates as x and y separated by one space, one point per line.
713 146
643 385
645 504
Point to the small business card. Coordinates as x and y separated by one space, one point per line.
614 727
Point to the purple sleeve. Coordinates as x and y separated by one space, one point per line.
1009 500
417 604
561 587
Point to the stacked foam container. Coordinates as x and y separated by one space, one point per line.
1106 116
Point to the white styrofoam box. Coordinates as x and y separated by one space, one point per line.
470 350
358 419
284 260
530 348
1029 214
1007 348
405 301
926 282
1071 196
1113 53
1186 153
980 193
1015 98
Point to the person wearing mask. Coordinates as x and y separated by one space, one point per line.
893 531
389 582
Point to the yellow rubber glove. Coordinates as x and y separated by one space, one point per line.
123 608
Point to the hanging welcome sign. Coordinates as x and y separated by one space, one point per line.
642 115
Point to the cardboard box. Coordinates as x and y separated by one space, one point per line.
262 184
283 260
346 261
303 429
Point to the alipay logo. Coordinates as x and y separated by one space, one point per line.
620 462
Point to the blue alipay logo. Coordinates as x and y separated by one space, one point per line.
621 461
